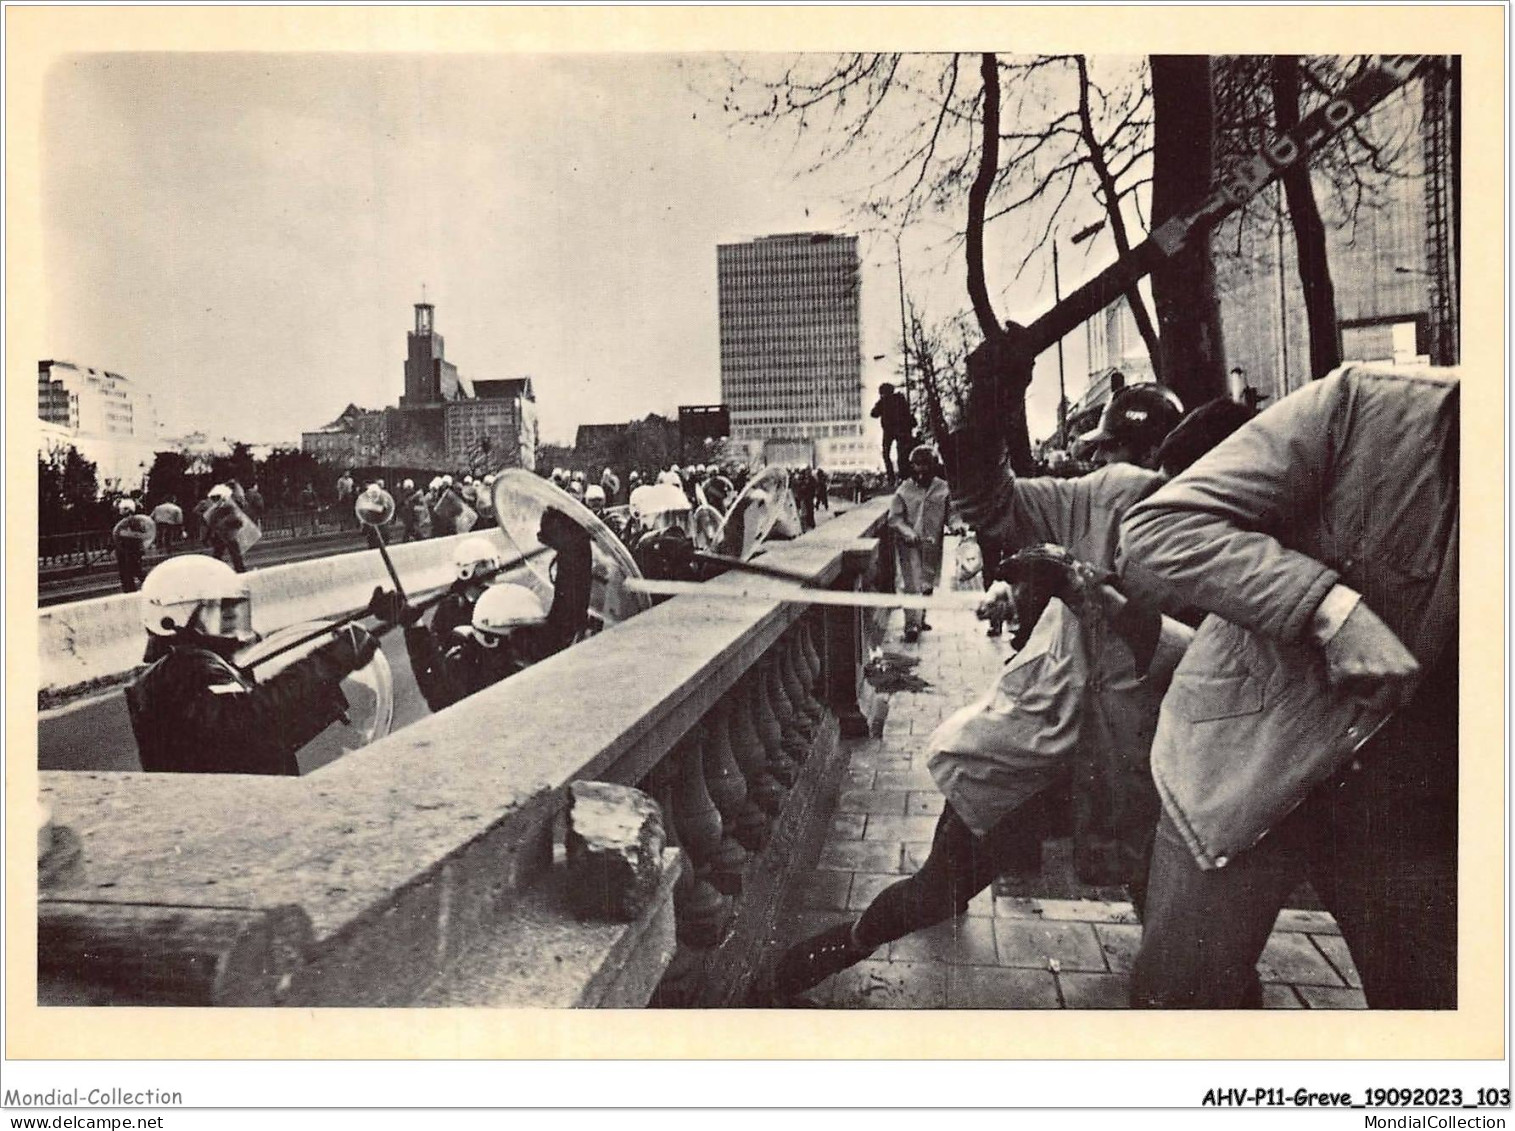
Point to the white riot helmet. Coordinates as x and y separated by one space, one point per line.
219 492
659 506
594 495
197 592
468 479
475 556
435 484
447 480
408 485
578 477
504 608
489 480
126 506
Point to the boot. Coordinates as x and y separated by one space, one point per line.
809 963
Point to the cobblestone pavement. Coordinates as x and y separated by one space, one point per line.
1036 950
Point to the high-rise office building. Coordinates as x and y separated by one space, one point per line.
791 352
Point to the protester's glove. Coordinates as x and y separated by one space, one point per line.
998 603
1051 571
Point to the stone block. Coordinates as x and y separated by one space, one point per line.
1277 996
1335 948
615 841
1095 991
908 781
985 987
847 826
1331 997
1294 958
826 890
899 828
890 985
1086 910
865 888
871 801
1312 922
965 941
860 856
1120 942
1071 946
927 803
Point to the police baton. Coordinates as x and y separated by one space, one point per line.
368 610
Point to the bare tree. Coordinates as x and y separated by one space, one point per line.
1111 194
1309 229
1183 284
936 355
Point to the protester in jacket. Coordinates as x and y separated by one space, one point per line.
892 411
918 522
1322 539
990 759
1112 796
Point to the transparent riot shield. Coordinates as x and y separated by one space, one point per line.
369 692
519 500
706 529
765 509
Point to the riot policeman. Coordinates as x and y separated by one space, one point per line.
506 628
195 711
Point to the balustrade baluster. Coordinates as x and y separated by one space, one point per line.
798 730
748 745
710 843
773 709
805 715
813 661
724 775
808 672
699 910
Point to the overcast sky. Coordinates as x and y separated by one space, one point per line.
245 235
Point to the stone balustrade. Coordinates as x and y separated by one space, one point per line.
428 868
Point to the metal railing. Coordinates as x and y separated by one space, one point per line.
87 549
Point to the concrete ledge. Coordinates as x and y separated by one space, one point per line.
405 857
543 957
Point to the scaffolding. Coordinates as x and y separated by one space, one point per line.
1442 150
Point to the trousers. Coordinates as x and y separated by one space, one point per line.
959 866
1379 846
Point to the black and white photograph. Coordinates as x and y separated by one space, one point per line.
726 530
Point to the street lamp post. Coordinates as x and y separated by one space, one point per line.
1062 389
1078 237
899 263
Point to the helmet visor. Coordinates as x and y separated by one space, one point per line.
229 618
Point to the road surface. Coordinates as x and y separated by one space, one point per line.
96 733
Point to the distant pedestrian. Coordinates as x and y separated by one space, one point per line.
892 410
132 535
802 483
918 521
822 489
255 504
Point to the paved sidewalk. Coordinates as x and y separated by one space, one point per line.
1040 950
